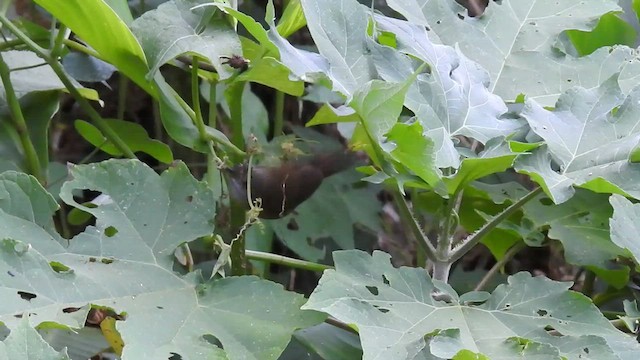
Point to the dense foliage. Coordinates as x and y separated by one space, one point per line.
499 136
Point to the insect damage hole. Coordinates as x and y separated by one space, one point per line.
373 290
27 295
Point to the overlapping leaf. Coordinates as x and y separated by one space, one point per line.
590 136
176 28
452 100
517 42
125 262
25 343
581 224
398 316
92 20
339 30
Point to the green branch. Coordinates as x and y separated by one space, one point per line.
408 217
20 125
286 261
473 239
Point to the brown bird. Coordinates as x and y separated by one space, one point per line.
282 188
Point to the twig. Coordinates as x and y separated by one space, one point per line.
472 240
499 265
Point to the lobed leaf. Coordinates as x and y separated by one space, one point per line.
400 312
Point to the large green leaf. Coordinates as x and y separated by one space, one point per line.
178 120
305 65
271 72
516 41
415 151
91 20
125 262
401 314
175 28
590 136
452 100
339 30
330 342
379 104
292 19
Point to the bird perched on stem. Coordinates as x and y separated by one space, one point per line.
284 186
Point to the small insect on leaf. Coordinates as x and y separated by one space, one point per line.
236 62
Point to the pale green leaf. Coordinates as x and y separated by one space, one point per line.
125 262
338 28
590 135
395 310
516 41
453 99
174 28
24 343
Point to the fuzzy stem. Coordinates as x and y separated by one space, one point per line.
286 261
278 119
409 219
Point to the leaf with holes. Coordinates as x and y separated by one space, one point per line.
125 263
403 314
519 42
590 136
25 343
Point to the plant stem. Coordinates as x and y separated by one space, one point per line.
10 44
409 219
20 125
339 324
278 119
442 268
83 49
195 98
286 261
473 239
499 265
58 42
213 106
97 120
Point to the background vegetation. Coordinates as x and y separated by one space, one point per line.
491 212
